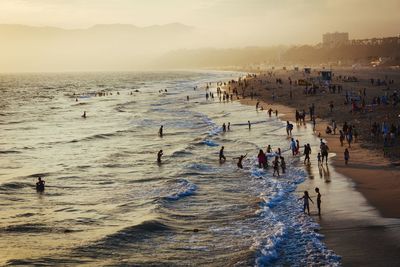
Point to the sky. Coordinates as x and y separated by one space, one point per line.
240 22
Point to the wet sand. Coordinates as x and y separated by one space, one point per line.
352 227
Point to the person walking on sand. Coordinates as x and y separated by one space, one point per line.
306 204
240 159
341 137
307 152
319 158
324 152
221 154
346 156
318 200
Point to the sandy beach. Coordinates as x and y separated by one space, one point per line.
361 199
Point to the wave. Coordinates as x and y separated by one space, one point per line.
15 186
209 143
126 236
9 152
181 189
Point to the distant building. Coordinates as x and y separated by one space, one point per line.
335 39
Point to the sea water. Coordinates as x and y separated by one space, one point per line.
108 202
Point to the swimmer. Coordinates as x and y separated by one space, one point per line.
159 155
221 154
84 115
40 185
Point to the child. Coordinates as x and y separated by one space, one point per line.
319 158
305 198
318 200
346 156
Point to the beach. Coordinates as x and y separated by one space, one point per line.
350 219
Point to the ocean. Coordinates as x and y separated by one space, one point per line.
108 202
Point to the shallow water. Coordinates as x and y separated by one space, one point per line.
107 201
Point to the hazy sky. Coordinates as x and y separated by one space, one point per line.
254 22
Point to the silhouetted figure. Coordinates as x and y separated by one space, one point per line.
40 185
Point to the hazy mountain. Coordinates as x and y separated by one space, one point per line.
101 47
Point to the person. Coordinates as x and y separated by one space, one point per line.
346 156
229 126
328 130
159 155
276 113
319 158
221 154
84 115
276 166
269 149
305 198
293 146
160 132
270 112
258 103
324 152
248 122
289 128
334 126
187 98
307 152
262 159
240 159
318 200
283 164
224 127
341 137
40 184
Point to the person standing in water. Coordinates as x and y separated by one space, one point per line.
224 127
262 159
248 122
221 154
160 132
283 164
240 159
305 198
40 185
84 115
318 200
275 163
159 155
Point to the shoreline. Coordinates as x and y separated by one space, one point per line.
349 220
